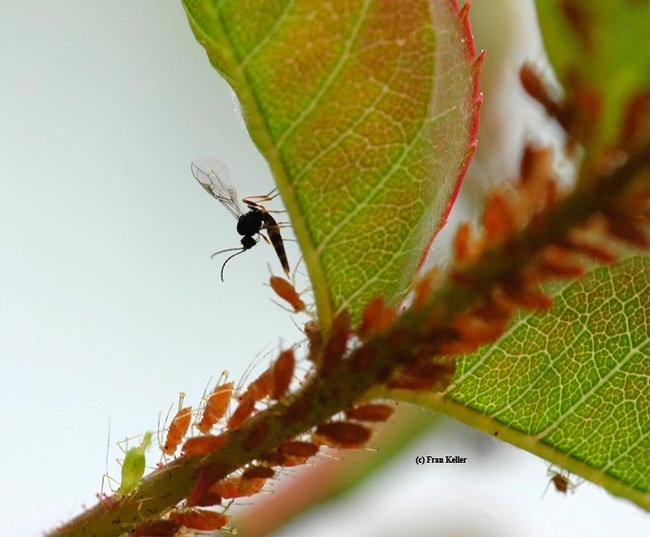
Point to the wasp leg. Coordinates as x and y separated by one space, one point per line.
256 201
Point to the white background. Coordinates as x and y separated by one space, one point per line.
110 304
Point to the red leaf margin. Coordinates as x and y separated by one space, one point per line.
463 15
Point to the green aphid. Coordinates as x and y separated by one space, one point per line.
133 466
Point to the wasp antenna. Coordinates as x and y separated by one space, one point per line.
224 251
226 261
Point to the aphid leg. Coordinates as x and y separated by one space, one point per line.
106 476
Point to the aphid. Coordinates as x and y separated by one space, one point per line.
256 436
133 466
226 488
199 519
375 318
257 472
214 177
206 477
465 248
342 435
252 486
273 458
561 482
241 413
315 337
297 452
260 387
336 344
156 528
236 487
298 410
369 412
177 430
297 448
282 374
202 445
208 499
215 407
433 376
287 292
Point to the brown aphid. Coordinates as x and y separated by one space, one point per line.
177 430
199 519
466 246
579 18
226 488
282 374
286 291
375 412
215 407
363 357
251 486
297 448
336 344
260 388
292 462
315 337
474 329
376 318
500 217
456 348
257 472
298 410
636 120
273 458
236 487
342 435
256 436
561 483
433 376
580 242
530 299
208 500
203 445
423 287
241 413
535 87
558 263
630 232
206 478
156 528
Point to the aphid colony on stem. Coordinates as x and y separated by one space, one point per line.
182 519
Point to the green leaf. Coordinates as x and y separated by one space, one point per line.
571 385
366 111
606 45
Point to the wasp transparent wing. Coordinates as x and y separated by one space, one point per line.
213 175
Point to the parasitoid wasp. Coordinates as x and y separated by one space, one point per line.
212 174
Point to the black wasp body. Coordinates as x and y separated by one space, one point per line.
214 177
